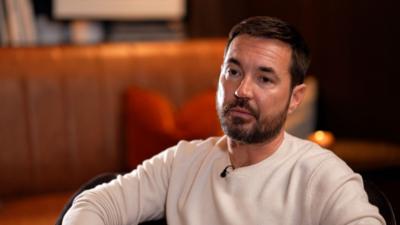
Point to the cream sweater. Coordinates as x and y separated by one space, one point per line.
300 184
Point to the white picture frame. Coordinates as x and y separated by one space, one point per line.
119 9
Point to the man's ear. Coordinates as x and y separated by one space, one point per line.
297 97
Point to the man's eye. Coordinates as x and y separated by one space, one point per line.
232 72
265 79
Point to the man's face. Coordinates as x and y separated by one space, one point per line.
254 93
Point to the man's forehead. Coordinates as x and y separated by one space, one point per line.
268 49
258 44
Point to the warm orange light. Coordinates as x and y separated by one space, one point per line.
324 138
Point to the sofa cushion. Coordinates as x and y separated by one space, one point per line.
197 118
154 124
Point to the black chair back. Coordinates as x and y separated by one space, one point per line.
379 199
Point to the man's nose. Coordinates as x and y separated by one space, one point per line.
244 90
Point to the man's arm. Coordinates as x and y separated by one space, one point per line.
337 196
135 197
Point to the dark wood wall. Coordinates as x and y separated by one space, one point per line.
355 47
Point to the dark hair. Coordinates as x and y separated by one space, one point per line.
273 28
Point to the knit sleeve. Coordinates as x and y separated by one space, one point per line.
337 197
129 199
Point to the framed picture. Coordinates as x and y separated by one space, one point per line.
119 9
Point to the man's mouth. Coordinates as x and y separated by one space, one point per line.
241 112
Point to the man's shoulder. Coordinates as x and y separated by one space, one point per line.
306 148
313 157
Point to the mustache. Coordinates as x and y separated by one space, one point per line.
241 103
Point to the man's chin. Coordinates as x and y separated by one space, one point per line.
241 138
240 134
240 126
238 129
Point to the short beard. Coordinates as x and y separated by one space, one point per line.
263 131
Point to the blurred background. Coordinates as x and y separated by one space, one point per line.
354 44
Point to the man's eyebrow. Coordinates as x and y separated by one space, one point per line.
266 69
233 61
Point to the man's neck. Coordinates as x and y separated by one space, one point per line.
242 154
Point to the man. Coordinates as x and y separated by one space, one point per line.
255 174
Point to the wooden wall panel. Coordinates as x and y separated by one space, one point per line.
53 119
210 57
15 155
86 109
150 66
111 107
119 72
88 114
67 104
46 120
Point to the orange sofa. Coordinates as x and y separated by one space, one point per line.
63 116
